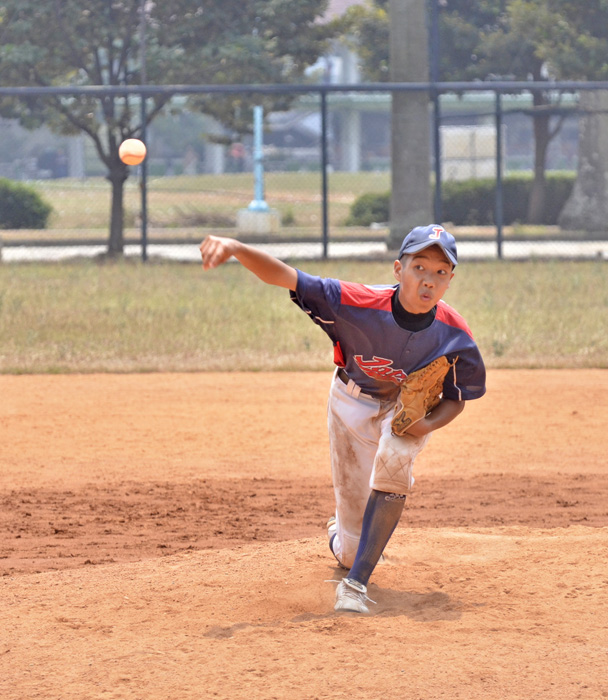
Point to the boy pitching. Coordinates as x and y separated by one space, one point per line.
380 334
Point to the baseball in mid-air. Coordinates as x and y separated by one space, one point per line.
132 151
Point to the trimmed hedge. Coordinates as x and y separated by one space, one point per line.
368 209
21 206
471 202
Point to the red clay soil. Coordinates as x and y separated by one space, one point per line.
163 537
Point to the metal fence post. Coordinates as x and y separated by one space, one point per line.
438 214
434 54
499 190
144 186
324 165
144 124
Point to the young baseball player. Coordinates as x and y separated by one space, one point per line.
382 335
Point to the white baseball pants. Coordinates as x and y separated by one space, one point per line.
365 455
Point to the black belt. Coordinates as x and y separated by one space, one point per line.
342 375
344 378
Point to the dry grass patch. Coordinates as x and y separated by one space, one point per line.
84 317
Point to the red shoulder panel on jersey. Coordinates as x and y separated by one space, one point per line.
446 314
354 294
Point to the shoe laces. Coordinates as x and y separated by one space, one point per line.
351 591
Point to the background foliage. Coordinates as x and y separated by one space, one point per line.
22 206
74 43
472 202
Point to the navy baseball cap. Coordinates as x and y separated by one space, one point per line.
423 237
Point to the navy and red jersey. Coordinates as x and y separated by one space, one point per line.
375 351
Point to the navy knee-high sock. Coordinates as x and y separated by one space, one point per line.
379 522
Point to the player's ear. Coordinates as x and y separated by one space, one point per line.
397 267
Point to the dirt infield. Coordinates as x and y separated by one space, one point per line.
163 538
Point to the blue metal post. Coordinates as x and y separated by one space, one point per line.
258 203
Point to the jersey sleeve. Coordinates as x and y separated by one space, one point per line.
467 378
318 297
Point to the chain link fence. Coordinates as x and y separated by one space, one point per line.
318 158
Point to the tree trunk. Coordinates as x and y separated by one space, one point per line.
587 207
538 194
117 178
410 129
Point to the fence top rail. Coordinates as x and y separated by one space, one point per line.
508 86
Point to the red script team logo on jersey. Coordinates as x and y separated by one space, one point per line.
379 368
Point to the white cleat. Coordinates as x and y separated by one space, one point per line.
332 528
351 596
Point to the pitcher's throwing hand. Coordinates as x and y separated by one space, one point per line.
216 250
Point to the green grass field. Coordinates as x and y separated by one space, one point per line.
182 201
130 317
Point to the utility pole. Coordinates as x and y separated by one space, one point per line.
410 120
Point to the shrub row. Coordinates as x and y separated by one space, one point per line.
21 206
472 202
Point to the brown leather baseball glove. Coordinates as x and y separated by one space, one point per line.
420 394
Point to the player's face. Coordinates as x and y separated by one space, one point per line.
423 278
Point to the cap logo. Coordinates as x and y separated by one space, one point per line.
437 231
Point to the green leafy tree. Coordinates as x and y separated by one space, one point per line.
98 42
462 23
554 40
571 39
462 26
366 30
492 39
510 51
482 39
